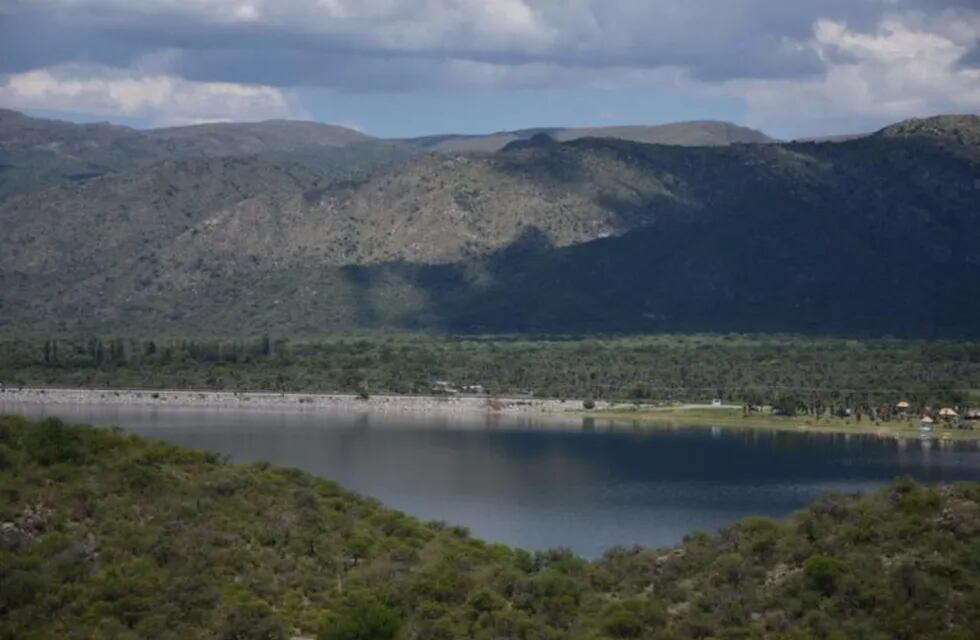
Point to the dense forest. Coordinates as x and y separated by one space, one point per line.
810 373
107 535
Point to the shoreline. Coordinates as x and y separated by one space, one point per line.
609 414
388 403
728 418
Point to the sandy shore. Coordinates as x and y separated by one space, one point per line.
604 415
305 401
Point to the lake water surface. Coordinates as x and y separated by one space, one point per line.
537 484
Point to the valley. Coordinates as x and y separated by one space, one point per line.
489 320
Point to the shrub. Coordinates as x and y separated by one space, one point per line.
252 621
365 620
632 618
824 572
51 442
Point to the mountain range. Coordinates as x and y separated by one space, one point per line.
36 152
302 227
688 134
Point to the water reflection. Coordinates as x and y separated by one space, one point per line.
538 484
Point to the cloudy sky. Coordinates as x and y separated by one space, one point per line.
410 67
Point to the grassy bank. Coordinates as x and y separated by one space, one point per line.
734 417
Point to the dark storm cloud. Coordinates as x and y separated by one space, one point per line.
287 55
32 39
292 45
971 59
801 64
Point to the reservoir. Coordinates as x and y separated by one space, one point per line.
540 483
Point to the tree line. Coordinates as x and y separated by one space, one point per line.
798 375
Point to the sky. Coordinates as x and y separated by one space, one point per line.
399 68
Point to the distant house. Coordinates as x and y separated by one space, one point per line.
947 413
475 389
443 387
926 423
972 414
716 402
902 406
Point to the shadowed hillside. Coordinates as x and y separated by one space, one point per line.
872 235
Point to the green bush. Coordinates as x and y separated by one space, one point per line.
50 442
632 618
253 621
824 572
367 619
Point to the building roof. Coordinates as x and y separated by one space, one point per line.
902 405
926 419
946 411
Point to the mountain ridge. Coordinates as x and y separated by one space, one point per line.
687 133
591 234
36 152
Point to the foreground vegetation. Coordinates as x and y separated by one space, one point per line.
111 536
803 375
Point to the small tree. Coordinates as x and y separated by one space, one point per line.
368 619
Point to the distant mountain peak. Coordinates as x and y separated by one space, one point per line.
694 133
10 114
967 125
272 124
537 141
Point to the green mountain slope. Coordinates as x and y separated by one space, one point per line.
85 234
854 236
872 235
248 138
107 535
35 152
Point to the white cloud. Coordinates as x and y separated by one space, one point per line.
736 38
246 13
799 66
159 98
908 66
